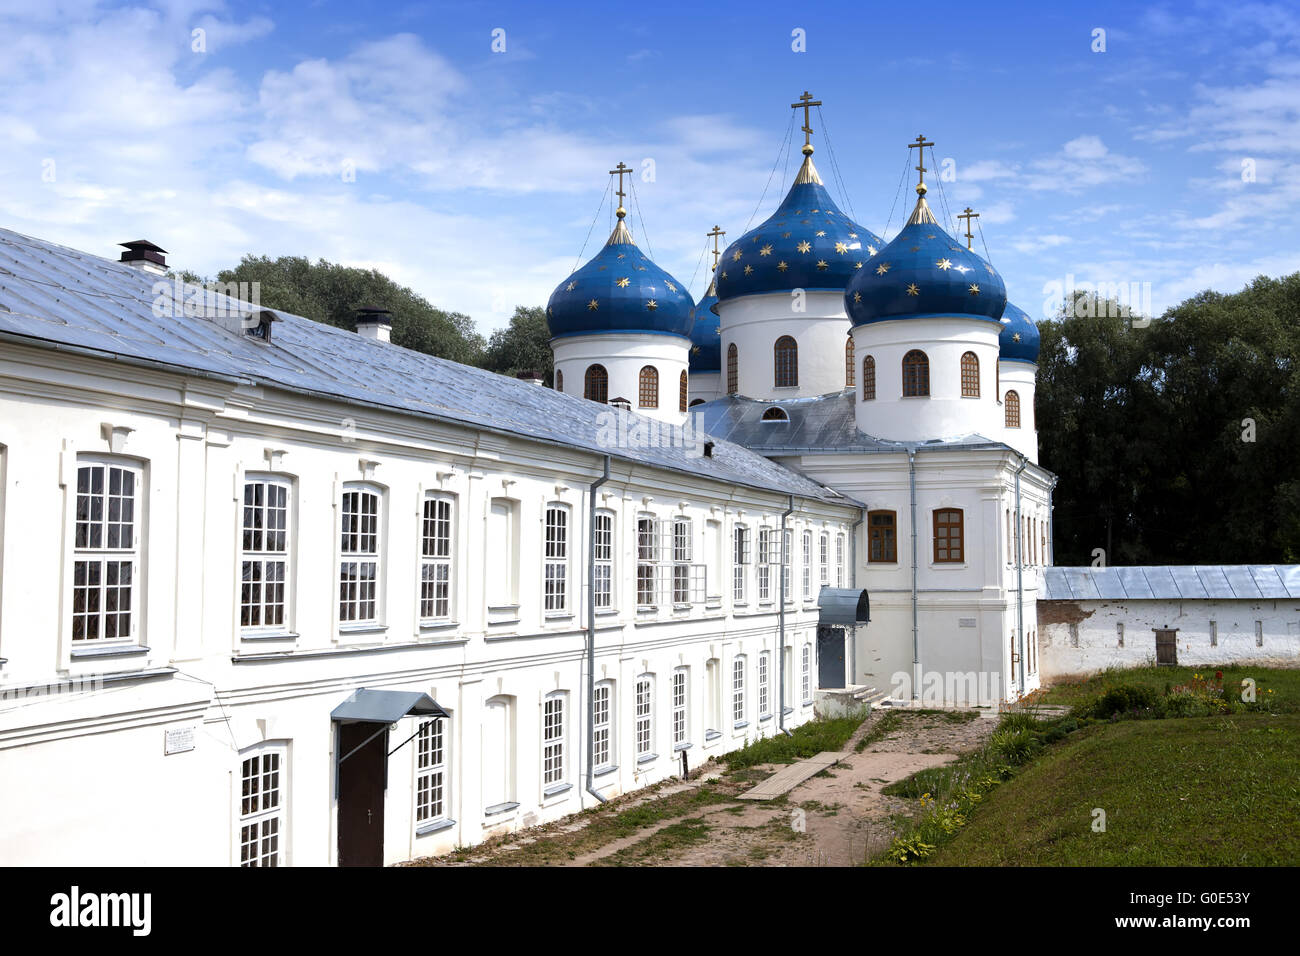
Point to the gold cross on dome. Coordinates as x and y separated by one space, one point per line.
968 216
622 170
807 102
921 143
714 235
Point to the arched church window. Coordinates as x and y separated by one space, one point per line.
916 374
775 415
681 393
786 358
733 385
559 380
596 386
868 378
648 396
848 363
970 375
1012 405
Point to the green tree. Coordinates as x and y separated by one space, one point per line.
522 346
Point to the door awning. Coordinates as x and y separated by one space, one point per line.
843 607
385 706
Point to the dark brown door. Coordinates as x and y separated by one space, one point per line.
361 795
1166 646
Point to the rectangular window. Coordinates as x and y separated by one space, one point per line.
764 698
431 772
807 565
553 740
680 732
106 562
502 569
806 673
682 561
741 558
839 560
824 552
603 558
644 717
556 582
948 543
435 559
261 810
359 564
713 700
264 553
882 537
602 753
647 553
738 690
786 555
766 541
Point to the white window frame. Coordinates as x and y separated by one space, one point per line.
807 565
604 743
683 545
88 558
765 537
824 549
787 555
554 762
647 561
839 560
263 770
738 691
602 558
556 528
437 557
258 556
764 685
806 676
681 689
432 772
355 531
644 717
740 555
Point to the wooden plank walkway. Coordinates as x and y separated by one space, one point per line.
787 778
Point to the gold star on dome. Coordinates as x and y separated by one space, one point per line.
974 289
602 268
781 266
1015 336
912 289
670 285
853 235
821 264
623 282
749 270
815 211
736 256
990 268
652 305
882 268
622 255
871 250
724 273
757 236
785 235
805 222
570 287
913 248
766 250
857 265
841 248
944 264
798 212
640 269
804 246
932 236
821 232
695 350
593 305
857 297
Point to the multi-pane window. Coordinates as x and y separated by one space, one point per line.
970 375
882 537
1011 405
948 544
916 374
556 565
435 559
764 693
682 390
646 556
766 545
680 727
603 560
261 810
785 357
848 363
806 673
644 730
359 556
824 552
807 565
595 385
553 740
602 751
107 552
264 553
431 772
682 561
740 557
733 375
648 384
738 689
868 378
839 560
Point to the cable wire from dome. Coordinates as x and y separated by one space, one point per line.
943 196
578 261
907 161
835 166
783 150
704 252
645 233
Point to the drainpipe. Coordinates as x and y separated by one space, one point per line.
591 631
1020 578
853 583
1051 523
916 634
785 558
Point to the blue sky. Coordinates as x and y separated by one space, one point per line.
478 173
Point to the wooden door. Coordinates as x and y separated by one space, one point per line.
362 780
1166 645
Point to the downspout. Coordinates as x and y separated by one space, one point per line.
591 631
1051 524
1020 579
785 559
916 633
852 676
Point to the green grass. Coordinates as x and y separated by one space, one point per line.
1200 791
806 740
1284 684
683 833
889 721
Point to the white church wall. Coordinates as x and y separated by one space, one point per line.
1019 377
624 356
817 322
705 386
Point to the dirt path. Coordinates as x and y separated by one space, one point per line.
837 818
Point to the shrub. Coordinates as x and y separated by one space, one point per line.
1122 699
1015 745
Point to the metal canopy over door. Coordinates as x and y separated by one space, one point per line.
840 611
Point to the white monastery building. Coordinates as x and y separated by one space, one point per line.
274 592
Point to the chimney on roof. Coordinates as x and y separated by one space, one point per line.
375 323
535 377
144 255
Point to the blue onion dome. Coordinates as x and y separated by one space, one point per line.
924 272
620 290
806 244
1018 341
706 341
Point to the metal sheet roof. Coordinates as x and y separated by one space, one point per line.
1242 582
843 607
54 295
386 706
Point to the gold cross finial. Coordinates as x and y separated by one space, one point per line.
717 231
968 216
807 102
921 143
622 170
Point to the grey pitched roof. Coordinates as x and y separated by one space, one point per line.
53 295
1173 582
824 424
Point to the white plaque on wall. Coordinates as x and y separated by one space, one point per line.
178 740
